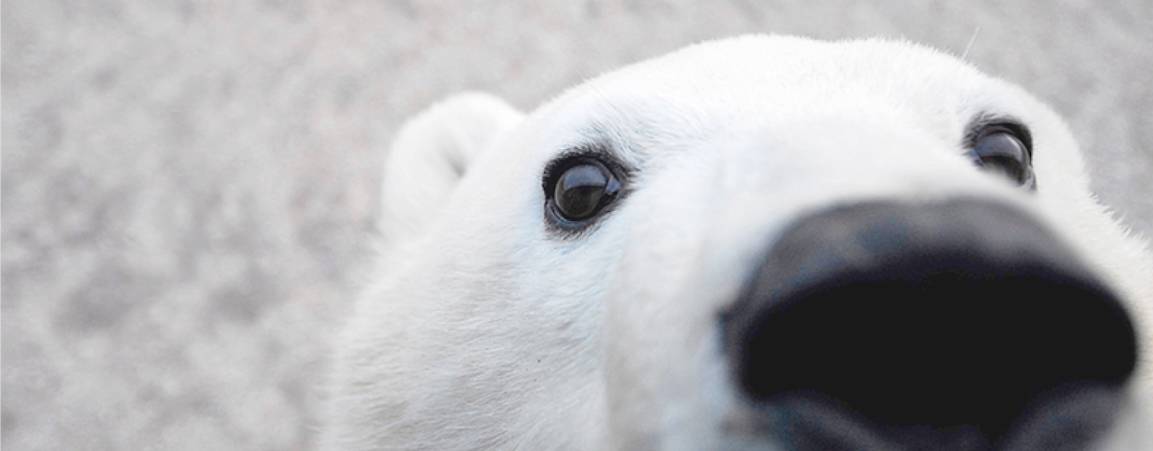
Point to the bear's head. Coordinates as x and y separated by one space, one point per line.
746 244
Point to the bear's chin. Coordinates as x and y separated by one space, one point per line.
1076 418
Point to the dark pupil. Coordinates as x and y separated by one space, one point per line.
579 191
1003 153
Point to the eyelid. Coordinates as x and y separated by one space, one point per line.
986 123
985 148
574 155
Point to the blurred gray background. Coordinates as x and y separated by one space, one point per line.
189 186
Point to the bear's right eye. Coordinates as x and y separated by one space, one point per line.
577 190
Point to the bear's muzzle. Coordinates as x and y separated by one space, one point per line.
965 322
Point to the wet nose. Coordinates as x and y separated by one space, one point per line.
962 312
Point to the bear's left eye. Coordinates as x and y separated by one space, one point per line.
578 189
1003 149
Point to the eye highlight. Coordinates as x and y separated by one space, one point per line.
578 189
1004 149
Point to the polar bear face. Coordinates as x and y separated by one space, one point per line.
748 243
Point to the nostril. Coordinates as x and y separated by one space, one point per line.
932 334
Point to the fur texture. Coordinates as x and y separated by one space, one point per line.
484 330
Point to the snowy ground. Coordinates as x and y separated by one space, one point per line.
188 186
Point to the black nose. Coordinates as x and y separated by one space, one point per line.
962 313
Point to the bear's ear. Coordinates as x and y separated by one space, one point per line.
430 154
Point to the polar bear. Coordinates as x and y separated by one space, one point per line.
763 242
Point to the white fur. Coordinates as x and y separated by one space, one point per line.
483 330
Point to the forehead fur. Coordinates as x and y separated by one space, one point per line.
742 83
